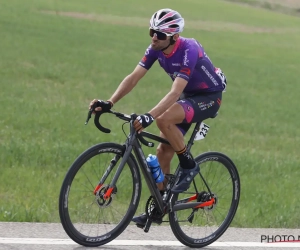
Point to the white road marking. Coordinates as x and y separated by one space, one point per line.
44 241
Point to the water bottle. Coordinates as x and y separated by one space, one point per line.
156 171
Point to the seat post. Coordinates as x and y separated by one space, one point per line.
196 129
191 140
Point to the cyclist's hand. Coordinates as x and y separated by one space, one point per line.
100 105
142 121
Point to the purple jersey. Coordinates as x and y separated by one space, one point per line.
189 61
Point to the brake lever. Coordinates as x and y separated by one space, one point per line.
89 116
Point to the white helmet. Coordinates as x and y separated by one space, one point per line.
167 21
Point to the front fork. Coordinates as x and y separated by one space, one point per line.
107 172
113 162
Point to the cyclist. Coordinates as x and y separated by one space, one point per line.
195 95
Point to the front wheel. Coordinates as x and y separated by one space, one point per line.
218 185
87 217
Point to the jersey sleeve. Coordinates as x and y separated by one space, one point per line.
190 58
149 58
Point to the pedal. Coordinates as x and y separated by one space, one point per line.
148 225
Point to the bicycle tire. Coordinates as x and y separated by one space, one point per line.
74 221
175 217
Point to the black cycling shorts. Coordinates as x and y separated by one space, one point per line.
198 107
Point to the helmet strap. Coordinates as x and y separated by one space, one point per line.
172 41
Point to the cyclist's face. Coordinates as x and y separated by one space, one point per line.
157 44
159 40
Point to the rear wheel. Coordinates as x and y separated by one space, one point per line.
202 226
87 217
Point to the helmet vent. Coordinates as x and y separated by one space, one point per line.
169 19
161 15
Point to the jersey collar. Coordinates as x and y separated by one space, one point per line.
177 43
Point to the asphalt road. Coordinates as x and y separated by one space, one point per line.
33 236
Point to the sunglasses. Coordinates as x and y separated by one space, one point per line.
159 35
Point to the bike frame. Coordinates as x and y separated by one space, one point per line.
133 144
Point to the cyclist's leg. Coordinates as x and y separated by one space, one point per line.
166 152
167 124
189 110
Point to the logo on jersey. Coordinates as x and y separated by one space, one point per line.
185 59
186 71
144 59
176 64
209 75
147 51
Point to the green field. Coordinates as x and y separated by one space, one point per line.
56 56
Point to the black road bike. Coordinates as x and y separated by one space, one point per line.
102 188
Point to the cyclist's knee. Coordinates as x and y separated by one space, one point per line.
172 116
162 121
159 121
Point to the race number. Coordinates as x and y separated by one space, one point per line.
203 130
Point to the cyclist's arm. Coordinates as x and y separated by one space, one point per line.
128 83
175 92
